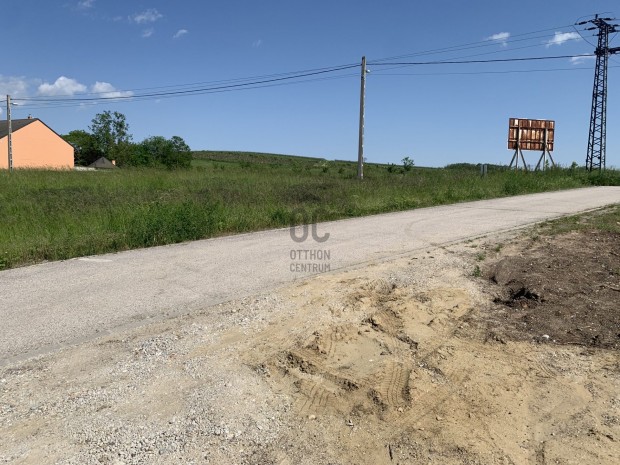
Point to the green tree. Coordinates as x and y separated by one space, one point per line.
173 153
110 131
182 152
407 163
85 146
130 154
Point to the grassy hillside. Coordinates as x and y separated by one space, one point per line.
252 157
48 215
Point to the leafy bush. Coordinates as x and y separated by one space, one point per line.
173 153
407 164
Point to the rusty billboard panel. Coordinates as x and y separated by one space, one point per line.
529 134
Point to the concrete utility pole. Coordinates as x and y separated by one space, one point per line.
360 149
10 132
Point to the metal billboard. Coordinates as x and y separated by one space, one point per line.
531 134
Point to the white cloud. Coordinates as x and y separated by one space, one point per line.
180 33
63 86
501 37
20 87
107 90
148 16
148 33
582 59
560 37
257 43
13 86
85 4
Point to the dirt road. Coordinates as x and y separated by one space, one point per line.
48 306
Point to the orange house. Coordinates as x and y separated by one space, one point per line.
35 145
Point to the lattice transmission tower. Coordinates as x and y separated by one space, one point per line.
597 138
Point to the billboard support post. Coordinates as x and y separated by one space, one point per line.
542 161
518 153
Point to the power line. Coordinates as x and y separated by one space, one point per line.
272 80
483 43
472 73
191 91
581 35
497 60
65 104
475 55
68 104
224 81
198 87
288 79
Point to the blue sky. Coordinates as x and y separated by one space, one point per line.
433 114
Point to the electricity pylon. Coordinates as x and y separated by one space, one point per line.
595 159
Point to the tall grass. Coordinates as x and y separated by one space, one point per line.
46 215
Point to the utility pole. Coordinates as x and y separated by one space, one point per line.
10 132
360 147
597 138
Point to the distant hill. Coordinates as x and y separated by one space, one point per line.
251 157
259 158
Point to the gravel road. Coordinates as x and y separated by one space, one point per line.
51 305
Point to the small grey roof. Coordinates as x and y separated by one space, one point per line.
16 125
102 162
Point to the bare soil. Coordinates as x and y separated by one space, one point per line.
411 361
565 288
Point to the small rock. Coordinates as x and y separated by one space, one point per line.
311 417
349 423
439 418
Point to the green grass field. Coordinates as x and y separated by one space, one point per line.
46 215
